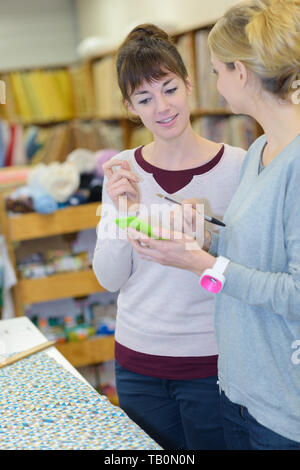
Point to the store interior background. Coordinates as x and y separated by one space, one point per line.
43 32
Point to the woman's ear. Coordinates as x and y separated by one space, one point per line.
242 71
188 85
130 107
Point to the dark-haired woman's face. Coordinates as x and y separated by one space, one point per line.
163 105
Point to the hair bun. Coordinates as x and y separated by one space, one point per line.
273 31
144 30
147 30
275 7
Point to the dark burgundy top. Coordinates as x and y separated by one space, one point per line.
170 180
168 367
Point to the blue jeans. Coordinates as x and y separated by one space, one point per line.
243 432
177 414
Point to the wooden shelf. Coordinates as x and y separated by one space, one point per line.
109 117
59 286
119 117
89 351
210 112
68 220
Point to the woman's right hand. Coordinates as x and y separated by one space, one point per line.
121 184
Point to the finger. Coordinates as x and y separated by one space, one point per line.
142 250
178 237
121 173
133 242
138 236
123 184
161 232
120 188
110 164
107 166
125 165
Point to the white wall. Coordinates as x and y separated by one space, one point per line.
47 32
112 18
37 32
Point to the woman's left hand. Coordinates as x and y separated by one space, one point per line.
180 251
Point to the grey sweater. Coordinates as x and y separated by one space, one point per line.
162 310
257 315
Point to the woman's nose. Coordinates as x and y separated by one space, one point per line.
162 104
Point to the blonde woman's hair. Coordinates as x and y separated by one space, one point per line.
265 36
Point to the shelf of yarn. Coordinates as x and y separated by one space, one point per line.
68 220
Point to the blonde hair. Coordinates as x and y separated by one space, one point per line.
265 36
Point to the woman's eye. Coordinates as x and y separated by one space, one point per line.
171 91
214 71
145 101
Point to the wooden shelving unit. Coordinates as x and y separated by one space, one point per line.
72 284
68 220
59 286
89 351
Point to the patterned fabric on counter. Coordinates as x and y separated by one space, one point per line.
43 406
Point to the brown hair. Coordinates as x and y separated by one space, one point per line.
265 36
147 53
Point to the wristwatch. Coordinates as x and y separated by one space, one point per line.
213 279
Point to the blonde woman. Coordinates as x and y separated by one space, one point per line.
255 260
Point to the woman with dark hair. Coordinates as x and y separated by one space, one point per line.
165 349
